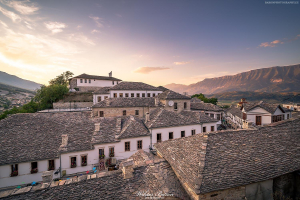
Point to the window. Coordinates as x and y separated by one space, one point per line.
136 112
115 95
182 133
204 129
143 94
99 99
73 162
101 153
51 165
258 120
126 95
101 114
81 81
105 97
117 82
84 160
111 152
137 94
148 95
175 106
184 105
212 128
170 135
139 144
89 80
85 81
158 137
121 95
132 94
153 95
113 82
193 132
127 146
124 112
212 115
219 117
14 170
34 167
206 113
288 116
244 116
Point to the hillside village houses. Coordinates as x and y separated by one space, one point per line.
76 142
258 114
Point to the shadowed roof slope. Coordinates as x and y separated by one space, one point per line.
127 102
103 90
169 94
205 106
134 86
87 76
271 108
235 111
234 158
37 136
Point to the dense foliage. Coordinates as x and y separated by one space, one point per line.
45 96
206 100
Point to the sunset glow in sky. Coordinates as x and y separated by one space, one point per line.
153 41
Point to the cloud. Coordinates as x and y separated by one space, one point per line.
95 31
13 16
78 27
23 7
78 37
181 63
276 42
147 70
55 27
98 21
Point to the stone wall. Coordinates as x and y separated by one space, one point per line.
287 186
180 105
115 112
68 105
229 194
87 88
73 83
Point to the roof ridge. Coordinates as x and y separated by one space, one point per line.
129 121
156 117
202 161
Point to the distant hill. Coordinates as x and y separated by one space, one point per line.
273 79
12 89
12 80
278 97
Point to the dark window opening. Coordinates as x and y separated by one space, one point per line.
184 105
83 160
175 106
99 99
143 94
140 144
212 128
101 153
218 117
81 81
148 95
212 115
153 95
126 95
73 162
85 81
101 114
170 135
14 170
182 133
193 132
136 112
204 129
121 95
127 146
113 82
111 152
89 80
137 94
132 94
51 165
34 167
115 95
158 137
124 112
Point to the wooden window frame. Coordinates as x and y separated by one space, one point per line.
126 94
72 163
124 113
50 166
101 113
82 160
127 146
131 95
212 128
193 132
111 151
137 94
158 140
121 95
140 144
137 112
143 95
148 94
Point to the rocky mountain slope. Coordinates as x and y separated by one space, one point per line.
273 79
12 80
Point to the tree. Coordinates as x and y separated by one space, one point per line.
204 99
61 79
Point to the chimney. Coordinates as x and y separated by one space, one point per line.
110 74
127 168
64 141
97 127
147 117
118 125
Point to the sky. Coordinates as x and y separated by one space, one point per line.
153 41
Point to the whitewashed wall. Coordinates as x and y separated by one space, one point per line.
265 115
96 83
95 97
133 91
24 174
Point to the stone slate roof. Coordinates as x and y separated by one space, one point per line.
134 86
169 94
127 102
150 176
130 126
271 108
223 160
37 136
235 111
163 118
86 76
162 88
195 100
103 90
205 106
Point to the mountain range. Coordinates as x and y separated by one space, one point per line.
273 79
12 80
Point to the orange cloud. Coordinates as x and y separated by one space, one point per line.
147 70
181 63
